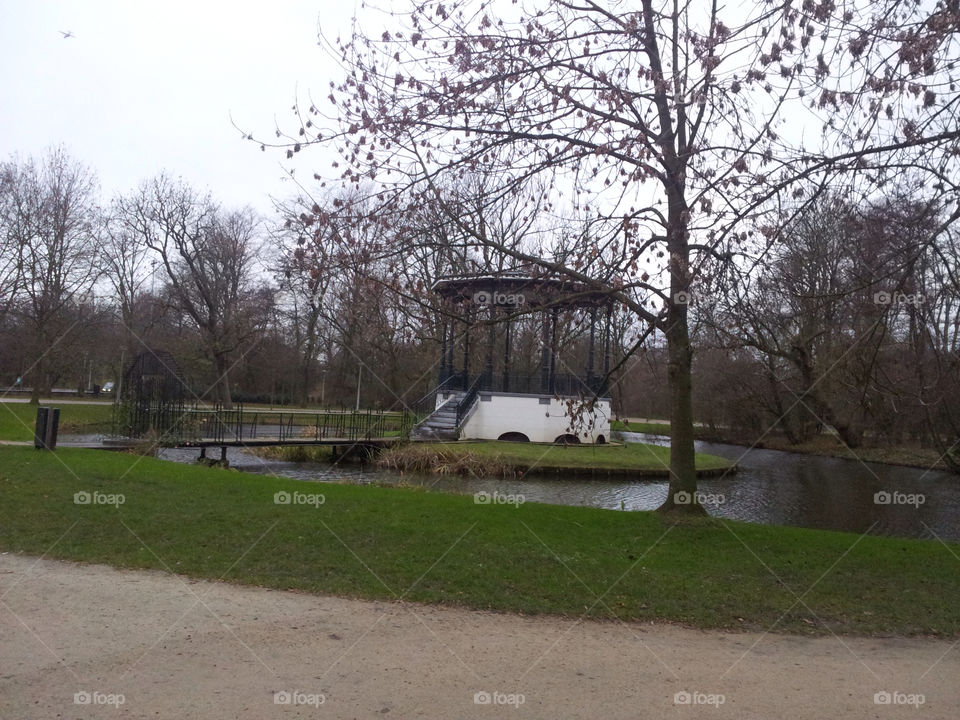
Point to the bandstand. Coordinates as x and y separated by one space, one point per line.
491 388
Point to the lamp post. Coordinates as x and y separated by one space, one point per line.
359 378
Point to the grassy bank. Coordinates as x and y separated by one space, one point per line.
824 445
17 420
295 453
830 446
651 428
375 542
508 458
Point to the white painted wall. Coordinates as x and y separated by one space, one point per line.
508 412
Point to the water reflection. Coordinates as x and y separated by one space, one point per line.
772 487
810 491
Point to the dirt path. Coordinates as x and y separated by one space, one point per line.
179 648
54 401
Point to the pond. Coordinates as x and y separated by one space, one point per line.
771 487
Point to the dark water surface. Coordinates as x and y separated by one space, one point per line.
771 487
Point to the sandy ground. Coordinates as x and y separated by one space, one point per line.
75 640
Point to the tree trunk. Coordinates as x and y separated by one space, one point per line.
307 369
306 379
783 415
223 379
947 452
682 491
41 386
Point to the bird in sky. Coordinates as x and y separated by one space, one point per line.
67 34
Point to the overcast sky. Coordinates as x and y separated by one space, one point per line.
145 86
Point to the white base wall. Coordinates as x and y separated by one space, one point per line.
540 417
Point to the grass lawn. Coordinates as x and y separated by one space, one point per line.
641 427
17 420
529 456
377 542
832 446
495 458
823 444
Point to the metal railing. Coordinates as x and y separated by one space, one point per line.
532 383
212 425
465 404
424 407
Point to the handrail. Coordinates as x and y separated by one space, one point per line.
431 395
466 402
424 407
214 424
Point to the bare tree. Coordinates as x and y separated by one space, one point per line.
304 275
665 119
208 257
49 220
124 257
11 240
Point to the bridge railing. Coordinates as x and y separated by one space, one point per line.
210 425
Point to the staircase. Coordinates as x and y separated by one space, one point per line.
441 424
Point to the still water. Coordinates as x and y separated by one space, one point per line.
771 487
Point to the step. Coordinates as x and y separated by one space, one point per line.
435 435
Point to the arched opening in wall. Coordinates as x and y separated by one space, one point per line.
601 440
566 439
514 437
